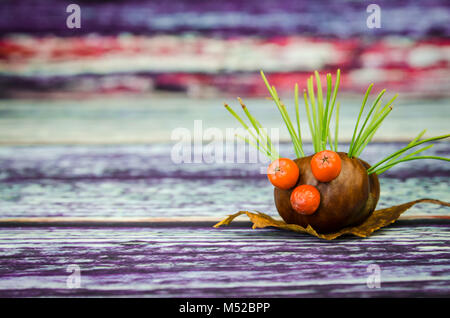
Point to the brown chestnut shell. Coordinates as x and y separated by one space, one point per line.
346 201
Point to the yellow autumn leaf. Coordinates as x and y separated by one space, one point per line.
375 221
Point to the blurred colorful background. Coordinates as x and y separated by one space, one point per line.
205 48
136 70
86 123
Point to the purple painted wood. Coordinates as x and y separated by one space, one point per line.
142 181
229 18
196 260
414 260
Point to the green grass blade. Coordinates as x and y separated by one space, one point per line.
329 86
405 149
370 132
384 168
418 151
297 115
297 145
387 165
336 128
270 145
250 142
367 117
262 137
320 112
284 115
330 142
246 127
239 119
314 114
350 152
360 144
411 143
310 123
336 86
249 116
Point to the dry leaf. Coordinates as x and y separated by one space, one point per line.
377 220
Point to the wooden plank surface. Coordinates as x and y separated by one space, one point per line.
161 222
136 224
197 261
149 119
143 181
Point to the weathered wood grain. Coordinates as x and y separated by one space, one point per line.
148 119
196 261
143 181
139 225
159 222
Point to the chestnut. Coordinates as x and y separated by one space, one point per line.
347 200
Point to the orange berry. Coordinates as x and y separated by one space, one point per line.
283 173
305 199
326 165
